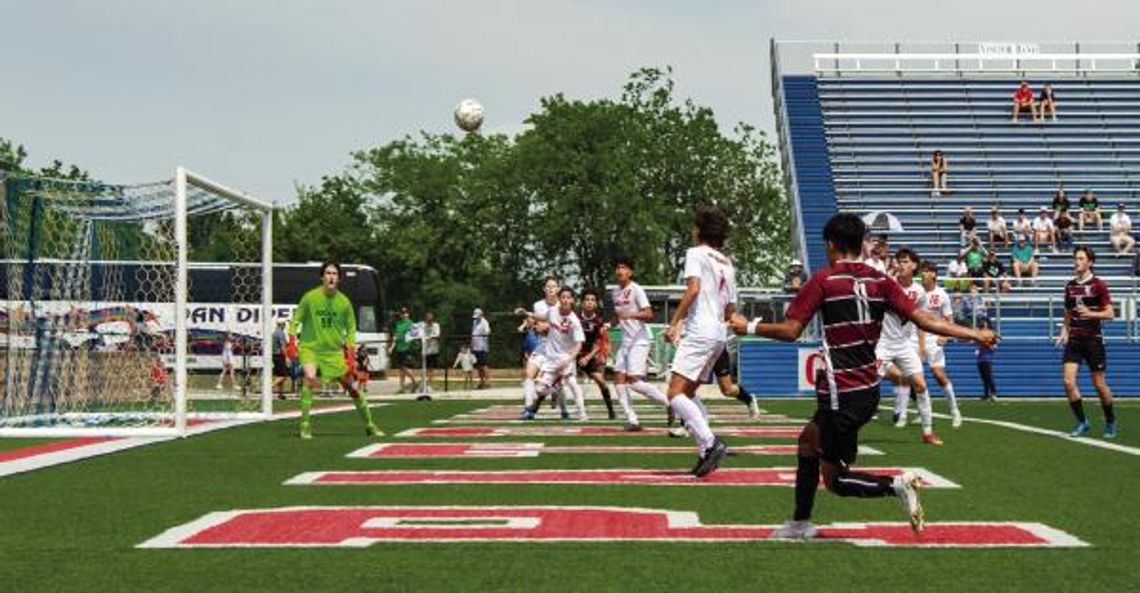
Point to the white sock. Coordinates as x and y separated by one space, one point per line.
700 404
951 398
902 398
623 398
648 390
694 421
560 396
579 397
924 411
528 393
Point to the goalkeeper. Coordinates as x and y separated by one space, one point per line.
328 341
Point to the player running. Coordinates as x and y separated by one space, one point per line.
938 305
698 329
564 340
1087 303
852 299
900 351
597 346
538 315
724 371
631 363
327 345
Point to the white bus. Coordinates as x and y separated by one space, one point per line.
119 307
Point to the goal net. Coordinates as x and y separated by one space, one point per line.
121 304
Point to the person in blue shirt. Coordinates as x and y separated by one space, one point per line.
985 358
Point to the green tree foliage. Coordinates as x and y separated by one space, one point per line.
455 222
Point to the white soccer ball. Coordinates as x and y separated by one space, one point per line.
469 115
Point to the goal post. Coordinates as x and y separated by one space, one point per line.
122 303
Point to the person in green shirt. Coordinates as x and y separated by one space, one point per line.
975 257
403 351
327 344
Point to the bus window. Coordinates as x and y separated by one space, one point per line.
366 320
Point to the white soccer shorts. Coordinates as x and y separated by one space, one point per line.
632 359
904 357
696 357
553 369
935 355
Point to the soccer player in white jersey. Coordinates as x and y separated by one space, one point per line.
631 361
564 339
938 305
898 351
698 328
538 315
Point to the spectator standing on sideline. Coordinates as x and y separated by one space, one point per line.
938 174
280 367
1120 231
1047 101
1023 101
480 344
967 225
401 351
431 347
984 355
1089 211
530 342
465 360
998 231
795 277
1044 231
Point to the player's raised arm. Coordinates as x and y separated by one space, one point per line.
942 327
800 311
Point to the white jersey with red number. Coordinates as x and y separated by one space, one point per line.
705 319
937 304
630 300
565 332
897 331
541 310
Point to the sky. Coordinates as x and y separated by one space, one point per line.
266 95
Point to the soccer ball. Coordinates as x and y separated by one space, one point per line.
469 115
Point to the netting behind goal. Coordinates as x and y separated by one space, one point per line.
122 303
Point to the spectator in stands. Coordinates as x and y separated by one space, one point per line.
1064 226
957 276
1090 211
1044 231
1022 227
998 231
1048 102
975 258
966 226
1120 231
938 172
994 274
795 277
1023 101
1060 203
1023 259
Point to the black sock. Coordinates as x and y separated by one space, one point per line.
1109 413
807 481
609 402
743 395
1078 407
863 485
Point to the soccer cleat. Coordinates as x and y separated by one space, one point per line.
565 415
906 489
671 418
633 428
931 439
306 431
679 432
373 431
710 459
753 409
900 421
583 418
1082 428
1109 431
795 530
956 419
218 387
526 414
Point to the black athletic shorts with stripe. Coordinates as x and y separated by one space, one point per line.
1087 349
839 429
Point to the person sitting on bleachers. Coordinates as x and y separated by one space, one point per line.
1023 260
993 272
1064 225
1022 227
938 171
1048 102
1023 101
975 258
966 226
1090 211
1044 231
1120 231
1060 203
998 230
957 276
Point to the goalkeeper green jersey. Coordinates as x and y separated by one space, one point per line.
327 322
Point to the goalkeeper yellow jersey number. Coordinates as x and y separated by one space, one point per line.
327 322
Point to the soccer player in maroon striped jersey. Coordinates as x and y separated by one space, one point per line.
596 348
1087 303
852 298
